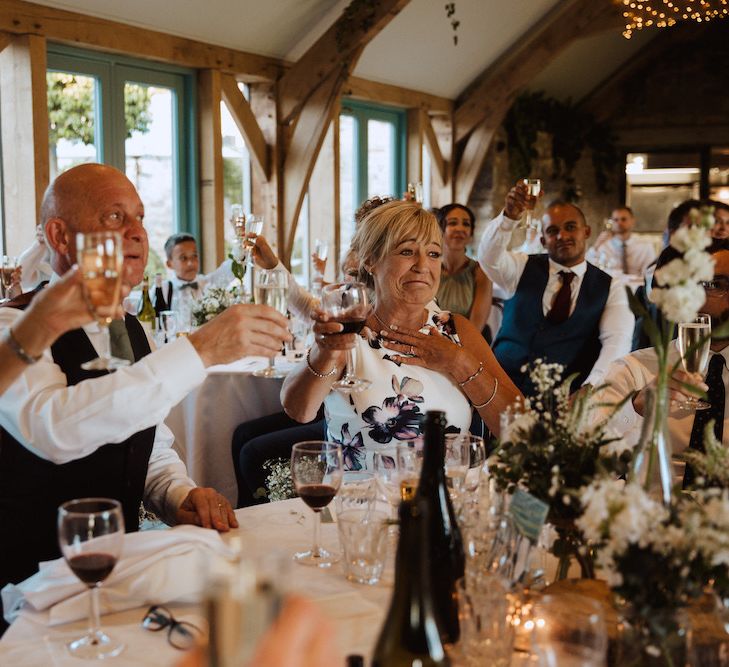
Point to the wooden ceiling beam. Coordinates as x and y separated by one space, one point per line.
486 98
340 44
436 155
5 39
385 93
59 25
247 124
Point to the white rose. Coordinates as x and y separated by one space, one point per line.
213 304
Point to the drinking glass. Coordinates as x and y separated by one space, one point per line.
387 475
91 534
317 467
168 324
100 258
9 265
357 492
271 288
348 304
476 449
409 467
534 187
694 344
238 220
568 631
363 538
457 462
254 226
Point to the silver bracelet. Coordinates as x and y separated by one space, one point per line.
491 398
12 342
316 372
473 375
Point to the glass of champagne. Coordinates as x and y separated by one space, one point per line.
409 465
91 535
271 288
457 462
254 226
9 266
694 344
317 468
534 187
100 258
348 304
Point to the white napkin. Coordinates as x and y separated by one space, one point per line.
156 567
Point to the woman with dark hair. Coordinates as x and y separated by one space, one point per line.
464 288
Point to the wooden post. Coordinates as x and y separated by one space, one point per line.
442 191
414 168
324 202
212 222
24 112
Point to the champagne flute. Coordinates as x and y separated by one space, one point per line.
347 303
387 474
457 461
694 344
476 450
271 288
91 534
534 187
100 258
317 468
9 266
254 226
409 466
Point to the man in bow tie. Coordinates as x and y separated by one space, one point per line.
560 308
69 433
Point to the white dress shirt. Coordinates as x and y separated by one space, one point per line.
633 373
218 278
505 268
62 423
609 251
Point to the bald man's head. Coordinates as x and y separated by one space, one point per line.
94 198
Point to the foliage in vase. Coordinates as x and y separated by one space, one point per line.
552 448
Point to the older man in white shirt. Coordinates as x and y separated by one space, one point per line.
67 433
561 308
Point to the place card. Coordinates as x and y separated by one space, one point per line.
528 513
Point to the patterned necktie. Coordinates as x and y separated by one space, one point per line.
560 310
716 396
625 257
121 346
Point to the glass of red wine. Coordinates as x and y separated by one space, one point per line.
348 304
91 534
317 468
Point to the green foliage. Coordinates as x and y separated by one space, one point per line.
232 180
572 130
71 108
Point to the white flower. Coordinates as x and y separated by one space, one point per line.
680 303
212 304
674 273
686 238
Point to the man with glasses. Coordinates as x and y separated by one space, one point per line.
620 248
637 373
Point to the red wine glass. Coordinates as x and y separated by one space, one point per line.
348 304
317 468
91 534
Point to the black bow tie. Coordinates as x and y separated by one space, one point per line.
191 285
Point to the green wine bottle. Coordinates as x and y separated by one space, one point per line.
446 542
146 313
410 635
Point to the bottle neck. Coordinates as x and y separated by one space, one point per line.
433 471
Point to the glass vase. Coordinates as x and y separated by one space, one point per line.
652 467
656 638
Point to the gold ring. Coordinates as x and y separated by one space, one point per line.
412 350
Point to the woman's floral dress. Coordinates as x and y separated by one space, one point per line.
392 408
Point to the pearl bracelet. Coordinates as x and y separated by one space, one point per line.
473 376
316 372
12 342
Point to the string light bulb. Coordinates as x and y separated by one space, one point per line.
665 13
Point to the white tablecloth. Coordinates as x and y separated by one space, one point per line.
204 421
356 610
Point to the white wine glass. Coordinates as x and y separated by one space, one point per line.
100 258
694 344
91 535
254 227
348 304
271 288
534 187
317 468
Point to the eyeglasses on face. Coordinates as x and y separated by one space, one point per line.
719 286
180 634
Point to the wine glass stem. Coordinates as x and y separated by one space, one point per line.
315 543
94 623
349 367
105 343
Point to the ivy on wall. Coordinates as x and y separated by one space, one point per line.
572 130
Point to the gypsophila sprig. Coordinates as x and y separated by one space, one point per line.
279 484
551 448
710 467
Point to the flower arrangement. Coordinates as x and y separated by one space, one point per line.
279 484
213 302
551 449
657 558
711 467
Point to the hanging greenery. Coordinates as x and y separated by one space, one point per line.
572 130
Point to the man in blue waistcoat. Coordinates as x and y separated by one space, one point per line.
561 308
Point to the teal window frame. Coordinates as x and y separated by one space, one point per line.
110 73
363 112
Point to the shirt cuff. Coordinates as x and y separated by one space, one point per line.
173 500
178 366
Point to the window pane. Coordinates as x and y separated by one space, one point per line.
300 251
72 136
236 170
150 162
347 190
380 158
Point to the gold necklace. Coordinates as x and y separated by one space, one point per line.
388 326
